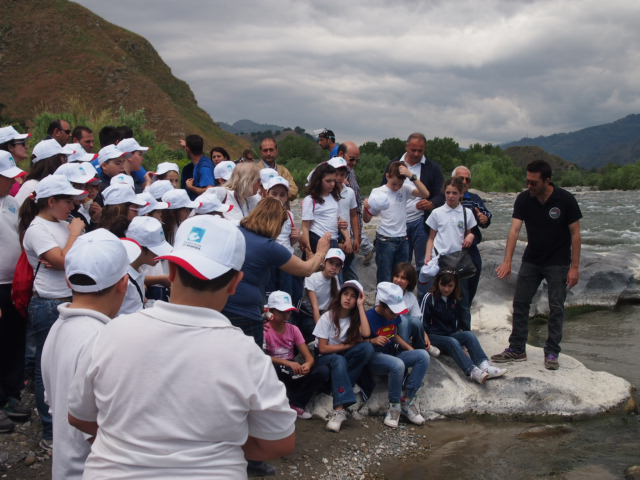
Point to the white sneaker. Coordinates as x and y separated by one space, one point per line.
335 420
478 375
433 351
410 410
492 371
392 418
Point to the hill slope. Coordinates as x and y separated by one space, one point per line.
245 126
52 50
615 142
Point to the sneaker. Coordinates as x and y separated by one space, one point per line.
433 351
6 425
260 469
392 418
335 420
15 411
492 371
46 445
509 355
410 410
301 412
478 375
551 361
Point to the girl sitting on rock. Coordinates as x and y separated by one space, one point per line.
442 320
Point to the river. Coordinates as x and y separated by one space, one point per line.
605 340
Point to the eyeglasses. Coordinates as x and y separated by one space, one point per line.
68 132
532 183
466 179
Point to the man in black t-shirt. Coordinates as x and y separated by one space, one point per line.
551 217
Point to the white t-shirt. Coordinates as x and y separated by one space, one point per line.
9 238
26 189
323 215
42 236
240 209
393 220
449 223
413 213
176 391
284 238
411 302
321 286
132 300
346 203
327 330
74 330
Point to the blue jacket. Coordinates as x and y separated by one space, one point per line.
473 201
440 317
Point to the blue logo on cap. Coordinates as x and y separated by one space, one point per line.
196 234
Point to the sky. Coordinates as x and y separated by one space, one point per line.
489 72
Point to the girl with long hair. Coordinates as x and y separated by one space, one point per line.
320 208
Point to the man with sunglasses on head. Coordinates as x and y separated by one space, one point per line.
551 216
60 130
473 202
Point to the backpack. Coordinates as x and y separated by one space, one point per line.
22 287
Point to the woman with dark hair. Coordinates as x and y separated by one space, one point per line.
219 154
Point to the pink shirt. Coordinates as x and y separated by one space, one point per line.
282 345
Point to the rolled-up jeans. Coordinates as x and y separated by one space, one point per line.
395 365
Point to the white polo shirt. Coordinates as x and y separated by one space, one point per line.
74 330
449 223
8 238
284 238
323 215
176 391
134 299
346 203
321 286
393 220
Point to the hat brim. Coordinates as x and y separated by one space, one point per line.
12 172
399 308
285 309
162 249
87 157
132 248
140 203
207 269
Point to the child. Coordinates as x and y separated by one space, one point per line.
340 333
320 208
120 207
442 315
391 241
147 234
223 171
320 289
179 209
393 355
96 270
410 327
165 171
282 339
158 188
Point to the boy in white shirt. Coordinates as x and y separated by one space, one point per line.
96 269
392 246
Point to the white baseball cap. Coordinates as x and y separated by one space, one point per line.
147 232
151 203
79 154
158 188
178 198
391 295
378 201
267 174
208 246
338 162
429 271
109 153
335 253
280 301
77 172
277 181
353 284
224 169
9 133
165 167
129 145
209 202
221 192
121 193
99 255
49 148
53 185
8 165
122 178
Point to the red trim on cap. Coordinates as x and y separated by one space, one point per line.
95 156
181 262
132 240
21 174
404 312
93 180
230 207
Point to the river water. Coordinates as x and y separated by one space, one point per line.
605 340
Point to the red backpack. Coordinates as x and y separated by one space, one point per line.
22 288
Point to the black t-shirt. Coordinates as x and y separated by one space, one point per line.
549 239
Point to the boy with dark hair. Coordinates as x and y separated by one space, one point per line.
166 411
202 167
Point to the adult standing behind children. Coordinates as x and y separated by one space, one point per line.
269 155
203 177
551 216
165 411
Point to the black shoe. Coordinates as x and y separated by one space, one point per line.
260 469
16 411
6 425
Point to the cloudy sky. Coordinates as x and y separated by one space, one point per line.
489 71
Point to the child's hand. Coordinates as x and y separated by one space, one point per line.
296 367
468 240
346 246
295 234
403 170
361 299
380 341
306 368
342 224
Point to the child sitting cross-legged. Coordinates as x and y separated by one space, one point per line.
302 380
393 355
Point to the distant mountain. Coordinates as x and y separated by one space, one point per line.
248 126
617 142
522 156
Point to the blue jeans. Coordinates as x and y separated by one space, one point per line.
395 366
43 313
418 234
346 368
529 278
412 331
389 252
452 345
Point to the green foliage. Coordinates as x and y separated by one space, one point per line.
369 147
392 147
625 177
300 147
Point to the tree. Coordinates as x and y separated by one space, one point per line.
369 147
392 148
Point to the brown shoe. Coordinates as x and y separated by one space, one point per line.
551 361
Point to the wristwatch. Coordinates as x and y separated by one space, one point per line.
413 177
